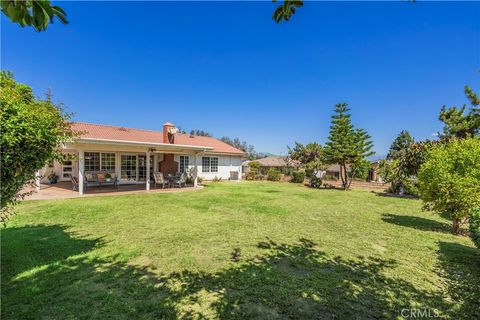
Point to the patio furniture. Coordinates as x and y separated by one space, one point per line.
179 180
102 179
158 177
74 183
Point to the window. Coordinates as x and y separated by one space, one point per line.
92 161
67 169
209 164
184 163
205 164
108 162
128 167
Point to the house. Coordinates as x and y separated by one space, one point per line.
134 154
281 163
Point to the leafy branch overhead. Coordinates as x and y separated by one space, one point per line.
33 13
286 10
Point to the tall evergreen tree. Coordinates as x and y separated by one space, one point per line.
459 123
346 146
400 145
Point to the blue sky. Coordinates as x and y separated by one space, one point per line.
227 68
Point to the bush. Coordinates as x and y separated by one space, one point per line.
475 226
449 180
315 182
298 176
273 174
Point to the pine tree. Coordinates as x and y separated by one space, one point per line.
461 124
346 145
400 145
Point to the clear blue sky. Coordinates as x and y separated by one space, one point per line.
229 69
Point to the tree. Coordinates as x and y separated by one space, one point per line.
241 145
449 181
459 123
400 145
346 145
286 10
33 13
32 129
310 156
475 226
200 133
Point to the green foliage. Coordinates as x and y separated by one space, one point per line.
400 145
298 176
254 172
449 181
458 123
360 169
475 226
35 13
346 145
31 131
310 156
200 133
273 174
286 10
241 145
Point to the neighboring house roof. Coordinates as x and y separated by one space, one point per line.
115 133
273 162
336 168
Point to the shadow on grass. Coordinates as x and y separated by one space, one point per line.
460 266
286 281
417 223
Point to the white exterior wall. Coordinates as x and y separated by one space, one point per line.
226 163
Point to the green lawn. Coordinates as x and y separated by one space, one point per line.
235 250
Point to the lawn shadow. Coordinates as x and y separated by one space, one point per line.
417 223
460 266
294 281
24 248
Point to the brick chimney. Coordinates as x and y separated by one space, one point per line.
168 137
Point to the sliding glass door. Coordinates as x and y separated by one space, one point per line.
142 167
128 166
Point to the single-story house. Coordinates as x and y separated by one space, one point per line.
280 163
134 154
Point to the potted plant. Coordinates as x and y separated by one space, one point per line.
108 177
52 178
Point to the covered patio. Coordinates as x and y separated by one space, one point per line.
64 190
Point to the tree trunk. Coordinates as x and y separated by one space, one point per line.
456 226
346 185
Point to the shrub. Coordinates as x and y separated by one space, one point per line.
298 176
216 179
273 174
32 129
449 180
475 226
315 182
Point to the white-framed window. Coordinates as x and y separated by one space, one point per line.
209 164
128 167
213 164
108 161
99 161
92 161
67 169
184 163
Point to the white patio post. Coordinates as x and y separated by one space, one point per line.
195 170
81 171
37 180
147 177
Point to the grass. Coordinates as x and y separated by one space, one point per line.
235 250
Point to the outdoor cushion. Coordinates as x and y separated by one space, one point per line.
89 176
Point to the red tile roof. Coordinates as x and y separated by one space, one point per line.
108 132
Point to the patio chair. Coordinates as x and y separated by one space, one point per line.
74 183
90 180
180 180
159 179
